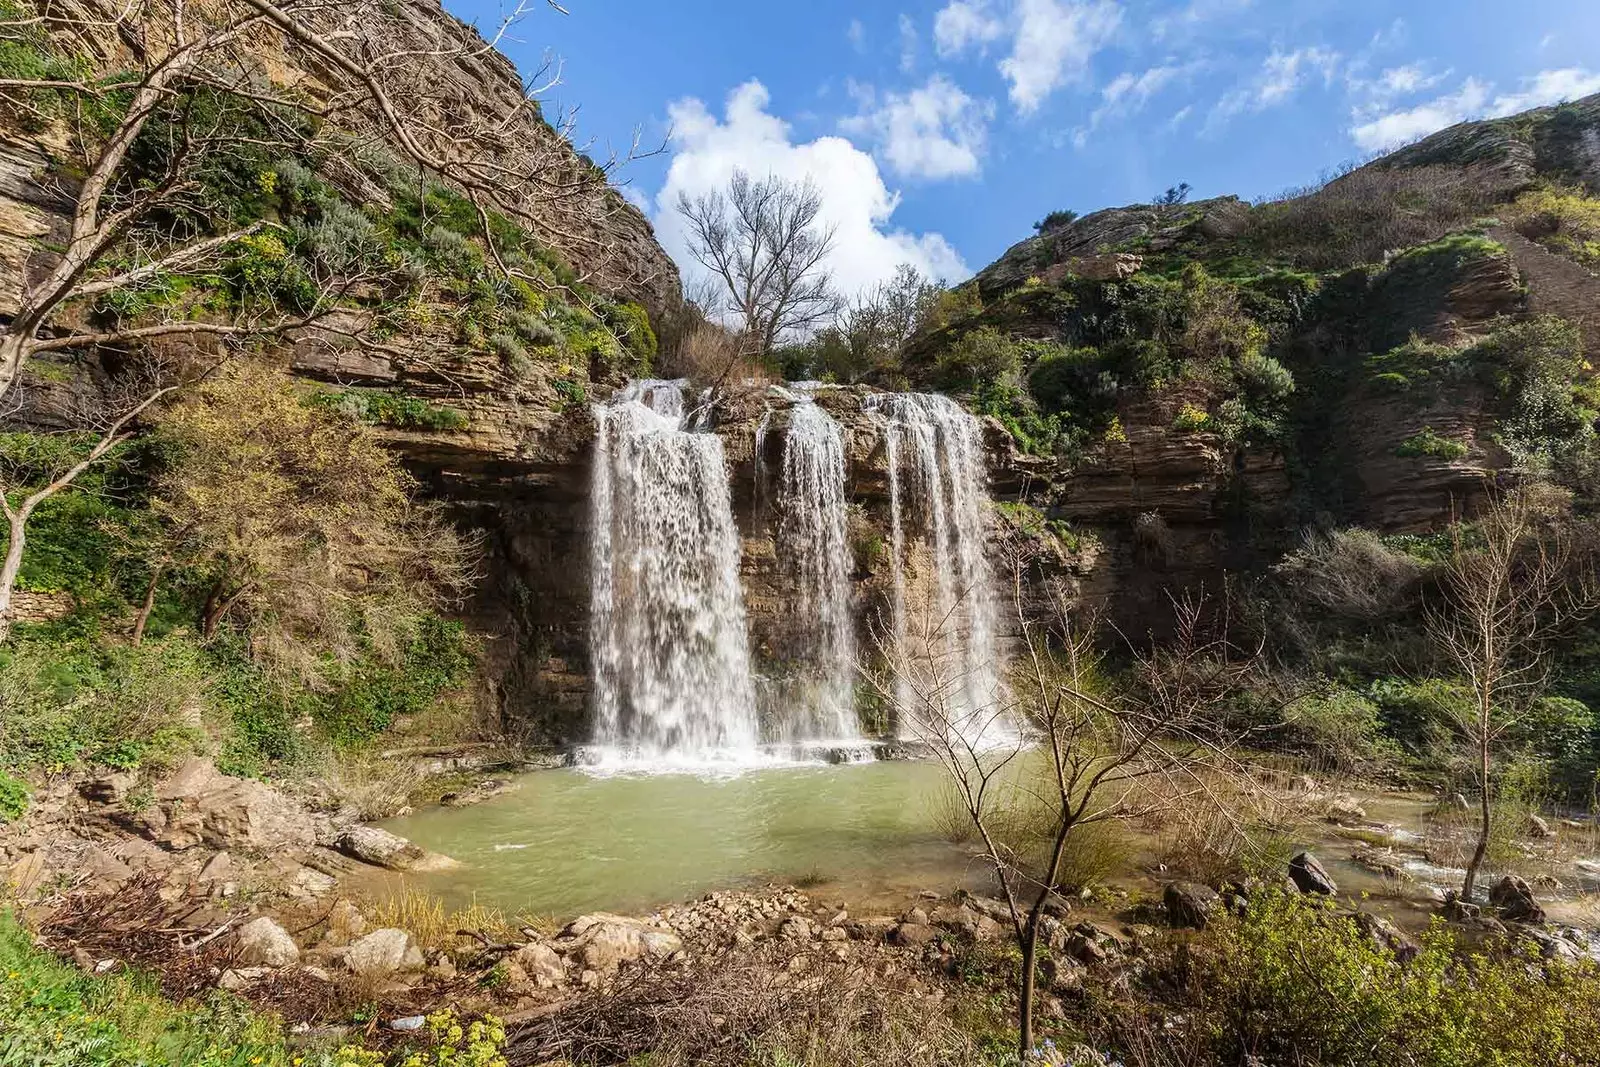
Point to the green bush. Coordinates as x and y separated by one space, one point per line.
369 694
982 357
383 408
1561 732
633 322
1427 443
1420 714
1264 379
13 798
1293 982
1341 726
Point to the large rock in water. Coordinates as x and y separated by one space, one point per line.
262 942
383 849
1309 876
1514 899
201 805
603 942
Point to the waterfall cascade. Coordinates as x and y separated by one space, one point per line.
813 543
667 621
934 450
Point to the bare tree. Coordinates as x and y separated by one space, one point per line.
764 241
180 91
875 327
1513 584
1108 753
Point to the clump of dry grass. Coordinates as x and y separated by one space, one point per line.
425 916
739 1009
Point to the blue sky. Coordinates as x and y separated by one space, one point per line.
939 130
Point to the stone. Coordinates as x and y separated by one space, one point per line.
109 789
1190 904
218 868
380 848
263 942
915 917
913 935
1309 876
957 917
345 924
795 928
1458 802
872 928
200 805
541 963
1386 935
383 953
603 942
835 933
1514 899
238 979
1344 808
1085 949
1539 828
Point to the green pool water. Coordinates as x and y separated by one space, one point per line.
567 841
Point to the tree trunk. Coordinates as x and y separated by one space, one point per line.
211 613
1030 955
1485 814
12 567
148 606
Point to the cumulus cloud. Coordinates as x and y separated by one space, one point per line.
1474 99
855 201
963 24
931 132
1197 13
1055 40
856 34
908 44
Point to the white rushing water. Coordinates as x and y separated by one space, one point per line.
937 479
672 680
813 544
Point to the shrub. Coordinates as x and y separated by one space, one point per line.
1353 574
1563 219
981 357
1340 725
13 798
1063 378
1055 221
1427 443
1561 731
1264 379
633 322
383 408
1191 419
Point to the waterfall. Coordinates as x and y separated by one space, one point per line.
667 622
935 454
812 540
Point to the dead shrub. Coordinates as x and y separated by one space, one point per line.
1353 574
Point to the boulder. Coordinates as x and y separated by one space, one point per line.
603 942
1386 935
541 963
913 935
263 943
380 848
872 928
1539 828
795 928
384 952
201 805
1190 904
1515 901
1309 876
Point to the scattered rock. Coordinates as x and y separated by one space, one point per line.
1515 901
1309 876
218 868
1344 808
1458 802
872 928
1190 904
1386 935
477 794
915 917
263 942
408 1023
603 942
110 789
201 805
913 935
795 928
1540 828
237 980
380 848
384 952
1550 946
542 964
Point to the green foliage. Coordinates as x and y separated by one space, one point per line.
1421 715
981 358
632 322
1263 379
1427 443
1292 982
1339 725
571 394
1055 220
384 408
13 798
1561 732
369 694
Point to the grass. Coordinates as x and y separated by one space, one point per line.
56 1016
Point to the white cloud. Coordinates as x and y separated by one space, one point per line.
934 131
1055 40
962 24
855 200
856 34
1475 99
1128 93
1195 15
1281 76
908 44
